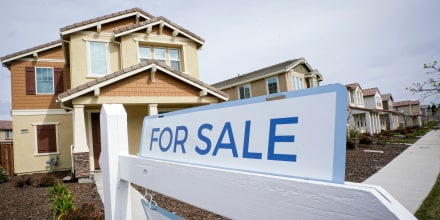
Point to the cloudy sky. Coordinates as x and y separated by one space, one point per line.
376 43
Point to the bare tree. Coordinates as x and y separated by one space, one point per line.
430 87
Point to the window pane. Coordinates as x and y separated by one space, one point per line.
144 53
174 54
272 85
44 80
8 135
175 58
159 54
244 92
98 58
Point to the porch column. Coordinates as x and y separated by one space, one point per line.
80 150
368 121
152 109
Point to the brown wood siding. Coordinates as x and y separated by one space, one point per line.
155 30
141 85
110 27
55 53
18 88
301 69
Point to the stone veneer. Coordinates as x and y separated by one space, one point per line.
81 163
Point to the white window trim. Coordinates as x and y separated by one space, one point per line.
139 54
36 138
53 80
267 85
167 45
89 66
298 75
250 90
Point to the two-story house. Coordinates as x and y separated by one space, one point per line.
5 131
358 117
373 101
290 75
411 115
147 63
388 114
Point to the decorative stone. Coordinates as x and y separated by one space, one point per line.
81 163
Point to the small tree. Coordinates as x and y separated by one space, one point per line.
430 87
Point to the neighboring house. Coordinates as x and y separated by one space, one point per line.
358 116
6 131
391 116
147 63
366 111
290 75
411 115
373 101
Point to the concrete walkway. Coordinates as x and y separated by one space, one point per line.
410 177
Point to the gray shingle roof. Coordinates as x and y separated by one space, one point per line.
153 20
30 50
5 125
101 18
266 71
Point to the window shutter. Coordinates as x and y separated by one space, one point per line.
46 138
30 80
58 80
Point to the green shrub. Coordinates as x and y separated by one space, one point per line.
62 200
4 176
22 181
47 180
86 211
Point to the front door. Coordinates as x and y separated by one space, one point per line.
96 136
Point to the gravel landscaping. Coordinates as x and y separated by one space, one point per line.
33 202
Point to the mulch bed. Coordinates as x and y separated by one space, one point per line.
32 202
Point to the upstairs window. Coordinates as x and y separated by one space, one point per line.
98 64
144 54
175 58
272 85
43 80
169 56
297 83
244 91
159 54
8 135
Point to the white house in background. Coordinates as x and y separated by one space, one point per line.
373 102
411 115
357 113
390 116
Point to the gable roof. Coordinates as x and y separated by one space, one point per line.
370 91
156 21
262 73
386 97
353 86
406 103
124 73
104 19
5 125
30 51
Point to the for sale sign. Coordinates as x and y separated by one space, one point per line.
298 134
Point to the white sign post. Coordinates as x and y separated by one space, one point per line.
274 157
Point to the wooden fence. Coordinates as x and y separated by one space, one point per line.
7 157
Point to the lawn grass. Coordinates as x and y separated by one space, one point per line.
430 208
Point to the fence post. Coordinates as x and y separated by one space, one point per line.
114 142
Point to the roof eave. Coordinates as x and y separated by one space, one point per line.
5 61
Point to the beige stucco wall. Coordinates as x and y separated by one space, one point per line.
25 158
79 56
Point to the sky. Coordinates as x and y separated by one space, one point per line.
375 43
